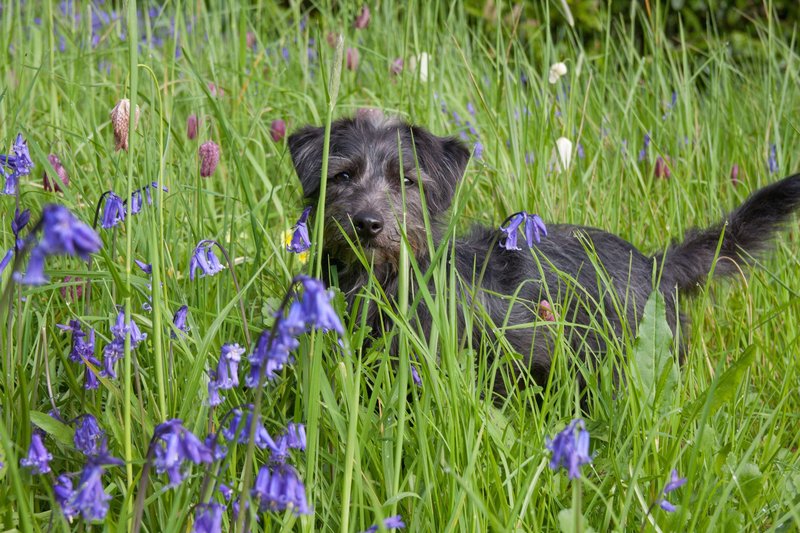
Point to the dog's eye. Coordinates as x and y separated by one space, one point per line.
342 176
408 181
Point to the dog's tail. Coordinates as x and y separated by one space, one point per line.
748 230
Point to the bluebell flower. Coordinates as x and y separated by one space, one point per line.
208 518
293 438
219 451
88 436
174 446
470 109
63 492
120 329
415 375
477 150
238 430
278 489
113 211
228 367
113 352
509 230
89 499
204 259
579 151
645 145
316 305
63 234
6 260
534 229
20 164
393 522
34 274
179 320
570 448
533 225
772 162
145 267
456 118
136 202
38 458
300 240
674 483
530 157
226 491
20 220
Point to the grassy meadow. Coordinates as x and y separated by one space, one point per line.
441 455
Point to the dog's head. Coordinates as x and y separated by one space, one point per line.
372 159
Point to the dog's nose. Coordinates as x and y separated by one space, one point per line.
368 224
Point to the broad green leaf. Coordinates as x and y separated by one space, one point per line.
61 432
656 370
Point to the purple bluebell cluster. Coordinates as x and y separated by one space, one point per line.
89 438
88 499
674 483
532 224
293 439
570 448
62 234
277 488
175 447
300 240
240 426
226 376
115 210
208 518
205 260
18 163
18 223
82 351
115 350
274 346
392 522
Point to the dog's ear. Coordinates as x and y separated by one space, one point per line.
444 159
305 145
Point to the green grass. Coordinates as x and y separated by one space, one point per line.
441 455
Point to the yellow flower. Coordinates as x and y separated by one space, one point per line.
287 240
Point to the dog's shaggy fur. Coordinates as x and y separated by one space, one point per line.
609 279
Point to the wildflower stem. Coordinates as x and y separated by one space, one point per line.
577 504
238 292
244 496
133 73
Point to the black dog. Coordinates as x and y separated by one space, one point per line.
374 159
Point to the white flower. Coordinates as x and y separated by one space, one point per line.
556 71
564 147
421 61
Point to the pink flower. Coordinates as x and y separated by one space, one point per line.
191 126
735 175
209 158
120 120
277 130
215 91
352 59
331 38
546 311
73 289
662 168
397 66
362 20
53 185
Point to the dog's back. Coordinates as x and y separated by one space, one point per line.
385 174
